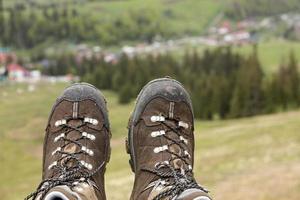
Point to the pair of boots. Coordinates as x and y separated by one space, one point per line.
160 143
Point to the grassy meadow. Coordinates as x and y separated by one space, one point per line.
272 52
254 158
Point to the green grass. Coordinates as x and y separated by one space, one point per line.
253 158
273 52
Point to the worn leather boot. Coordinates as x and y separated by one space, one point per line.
76 147
161 144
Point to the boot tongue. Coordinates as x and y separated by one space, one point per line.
82 191
73 135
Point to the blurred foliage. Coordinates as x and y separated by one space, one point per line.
66 24
223 84
241 9
31 23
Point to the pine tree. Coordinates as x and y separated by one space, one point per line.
2 31
125 94
288 84
271 94
220 103
294 79
248 96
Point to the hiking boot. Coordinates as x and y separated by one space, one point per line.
76 147
161 144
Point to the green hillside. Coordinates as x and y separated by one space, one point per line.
240 9
105 22
116 23
254 158
272 53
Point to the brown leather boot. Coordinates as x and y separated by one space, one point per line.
161 144
76 147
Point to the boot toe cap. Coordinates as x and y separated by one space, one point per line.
166 88
193 194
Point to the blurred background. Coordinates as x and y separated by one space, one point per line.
237 58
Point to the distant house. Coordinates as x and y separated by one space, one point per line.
239 37
129 51
224 28
3 58
16 72
2 73
111 58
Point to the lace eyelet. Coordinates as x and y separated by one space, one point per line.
90 167
91 121
92 137
91 153
158 133
89 136
60 122
52 165
157 118
187 154
59 137
86 150
183 139
160 149
183 124
84 134
86 165
56 150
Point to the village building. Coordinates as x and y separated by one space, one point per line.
16 72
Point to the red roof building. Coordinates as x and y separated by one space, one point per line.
3 58
16 72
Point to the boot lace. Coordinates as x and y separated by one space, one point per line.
175 180
69 168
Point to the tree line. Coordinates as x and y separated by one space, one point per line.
223 84
63 22
242 9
